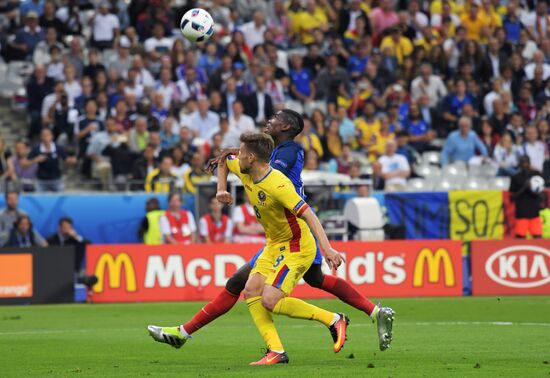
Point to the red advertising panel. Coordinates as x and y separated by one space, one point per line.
510 267
131 273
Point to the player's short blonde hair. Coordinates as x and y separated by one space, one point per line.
260 144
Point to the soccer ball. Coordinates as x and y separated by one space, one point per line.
537 184
197 25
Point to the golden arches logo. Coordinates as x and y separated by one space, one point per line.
115 265
433 261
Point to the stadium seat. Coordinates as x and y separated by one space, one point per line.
431 157
419 185
483 170
428 171
455 171
475 183
366 215
446 184
499 183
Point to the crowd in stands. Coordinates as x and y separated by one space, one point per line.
117 91
178 226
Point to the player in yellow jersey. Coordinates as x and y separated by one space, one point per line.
290 248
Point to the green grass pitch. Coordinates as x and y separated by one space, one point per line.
436 337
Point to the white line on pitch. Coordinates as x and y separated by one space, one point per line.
397 324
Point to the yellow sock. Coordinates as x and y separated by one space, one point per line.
296 308
264 322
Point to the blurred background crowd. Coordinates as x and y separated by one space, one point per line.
398 91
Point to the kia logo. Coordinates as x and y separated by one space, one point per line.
527 263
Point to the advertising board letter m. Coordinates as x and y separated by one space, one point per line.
115 266
433 262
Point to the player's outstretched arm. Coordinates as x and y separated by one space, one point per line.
213 163
332 257
222 195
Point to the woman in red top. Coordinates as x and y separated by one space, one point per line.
177 225
215 227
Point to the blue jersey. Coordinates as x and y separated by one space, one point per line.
288 158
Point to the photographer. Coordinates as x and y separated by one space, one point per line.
527 202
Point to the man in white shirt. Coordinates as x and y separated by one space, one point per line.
167 87
538 60
534 148
204 123
254 30
490 97
428 84
240 122
158 43
144 77
122 60
105 27
395 168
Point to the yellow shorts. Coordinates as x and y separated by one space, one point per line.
284 269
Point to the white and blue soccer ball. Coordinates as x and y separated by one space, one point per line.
537 184
197 25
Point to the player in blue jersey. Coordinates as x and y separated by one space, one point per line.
288 158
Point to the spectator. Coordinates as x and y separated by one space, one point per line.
142 167
122 60
88 124
454 102
158 43
254 30
101 164
331 141
396 45
516 128
215 226
259 104
419 132
330 77
534 148
168 135
22 169
238 123
428 84
177 225
38 87
49 156
139 136
404 148
27 38
309 140
367 125
395 168
67 235
506 155
195 174
462 144
380 139
161 179
204 123
527 202
246 229
382 18
23 234
11 212
26 6
345 160
149 230
41 53
105 27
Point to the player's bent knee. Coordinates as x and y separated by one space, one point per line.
314 276
254 286
237 282
271 296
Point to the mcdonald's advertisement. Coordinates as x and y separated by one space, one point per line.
511 267
136 273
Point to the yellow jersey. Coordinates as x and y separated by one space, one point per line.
366 130
277 206
400 49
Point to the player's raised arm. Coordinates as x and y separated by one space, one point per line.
222 195
332 257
